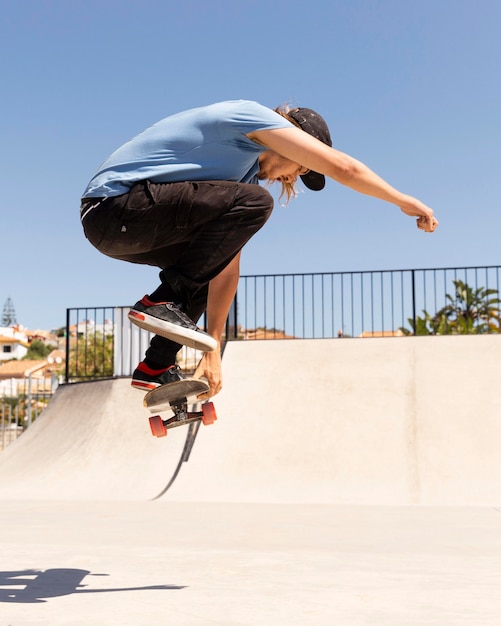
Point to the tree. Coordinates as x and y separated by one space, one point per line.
469 311
91 357
38 350
9 314
428 325
472 310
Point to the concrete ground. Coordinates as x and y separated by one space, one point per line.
360 507
191 564
247 564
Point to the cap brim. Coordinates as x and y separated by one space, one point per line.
314 181
313 124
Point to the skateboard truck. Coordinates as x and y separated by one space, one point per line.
174 396
182 417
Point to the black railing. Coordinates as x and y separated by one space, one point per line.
101 342
361 304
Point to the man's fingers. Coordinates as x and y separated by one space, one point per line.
214 389
428 223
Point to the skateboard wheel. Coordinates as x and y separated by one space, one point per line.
157 426
208 413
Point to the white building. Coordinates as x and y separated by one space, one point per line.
13 343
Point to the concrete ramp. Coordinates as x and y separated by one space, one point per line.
92 442
362 421
368 421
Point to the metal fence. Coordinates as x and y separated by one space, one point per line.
358 304
101 342
21 402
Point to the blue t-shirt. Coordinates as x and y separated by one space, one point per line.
207 143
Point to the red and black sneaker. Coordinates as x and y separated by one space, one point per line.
168 320
144 378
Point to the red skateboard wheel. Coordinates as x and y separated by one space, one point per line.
157 426
209 413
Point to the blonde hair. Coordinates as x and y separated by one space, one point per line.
289 190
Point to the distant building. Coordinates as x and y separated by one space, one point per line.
263 333
382 333
13 343
15 377
89 327
17 374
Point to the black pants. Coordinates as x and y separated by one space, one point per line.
191 230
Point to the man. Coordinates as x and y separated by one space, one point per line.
184 196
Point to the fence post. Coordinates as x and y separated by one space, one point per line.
414 318
235 317
67 365
30 398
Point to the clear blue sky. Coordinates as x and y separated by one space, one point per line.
412 89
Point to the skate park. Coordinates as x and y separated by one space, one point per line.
344 482
353 476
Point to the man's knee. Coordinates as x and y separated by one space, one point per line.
257 200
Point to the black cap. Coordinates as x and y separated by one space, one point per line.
313 124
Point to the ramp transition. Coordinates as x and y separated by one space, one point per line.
366 421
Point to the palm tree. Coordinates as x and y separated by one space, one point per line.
469 311
472 310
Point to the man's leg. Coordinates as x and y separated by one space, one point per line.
190 230
217 219
159 364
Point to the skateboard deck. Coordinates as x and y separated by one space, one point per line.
163 397
174 396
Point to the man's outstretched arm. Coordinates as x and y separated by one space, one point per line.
302 148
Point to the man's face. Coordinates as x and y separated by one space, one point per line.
276 168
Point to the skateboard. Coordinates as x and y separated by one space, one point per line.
174 396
